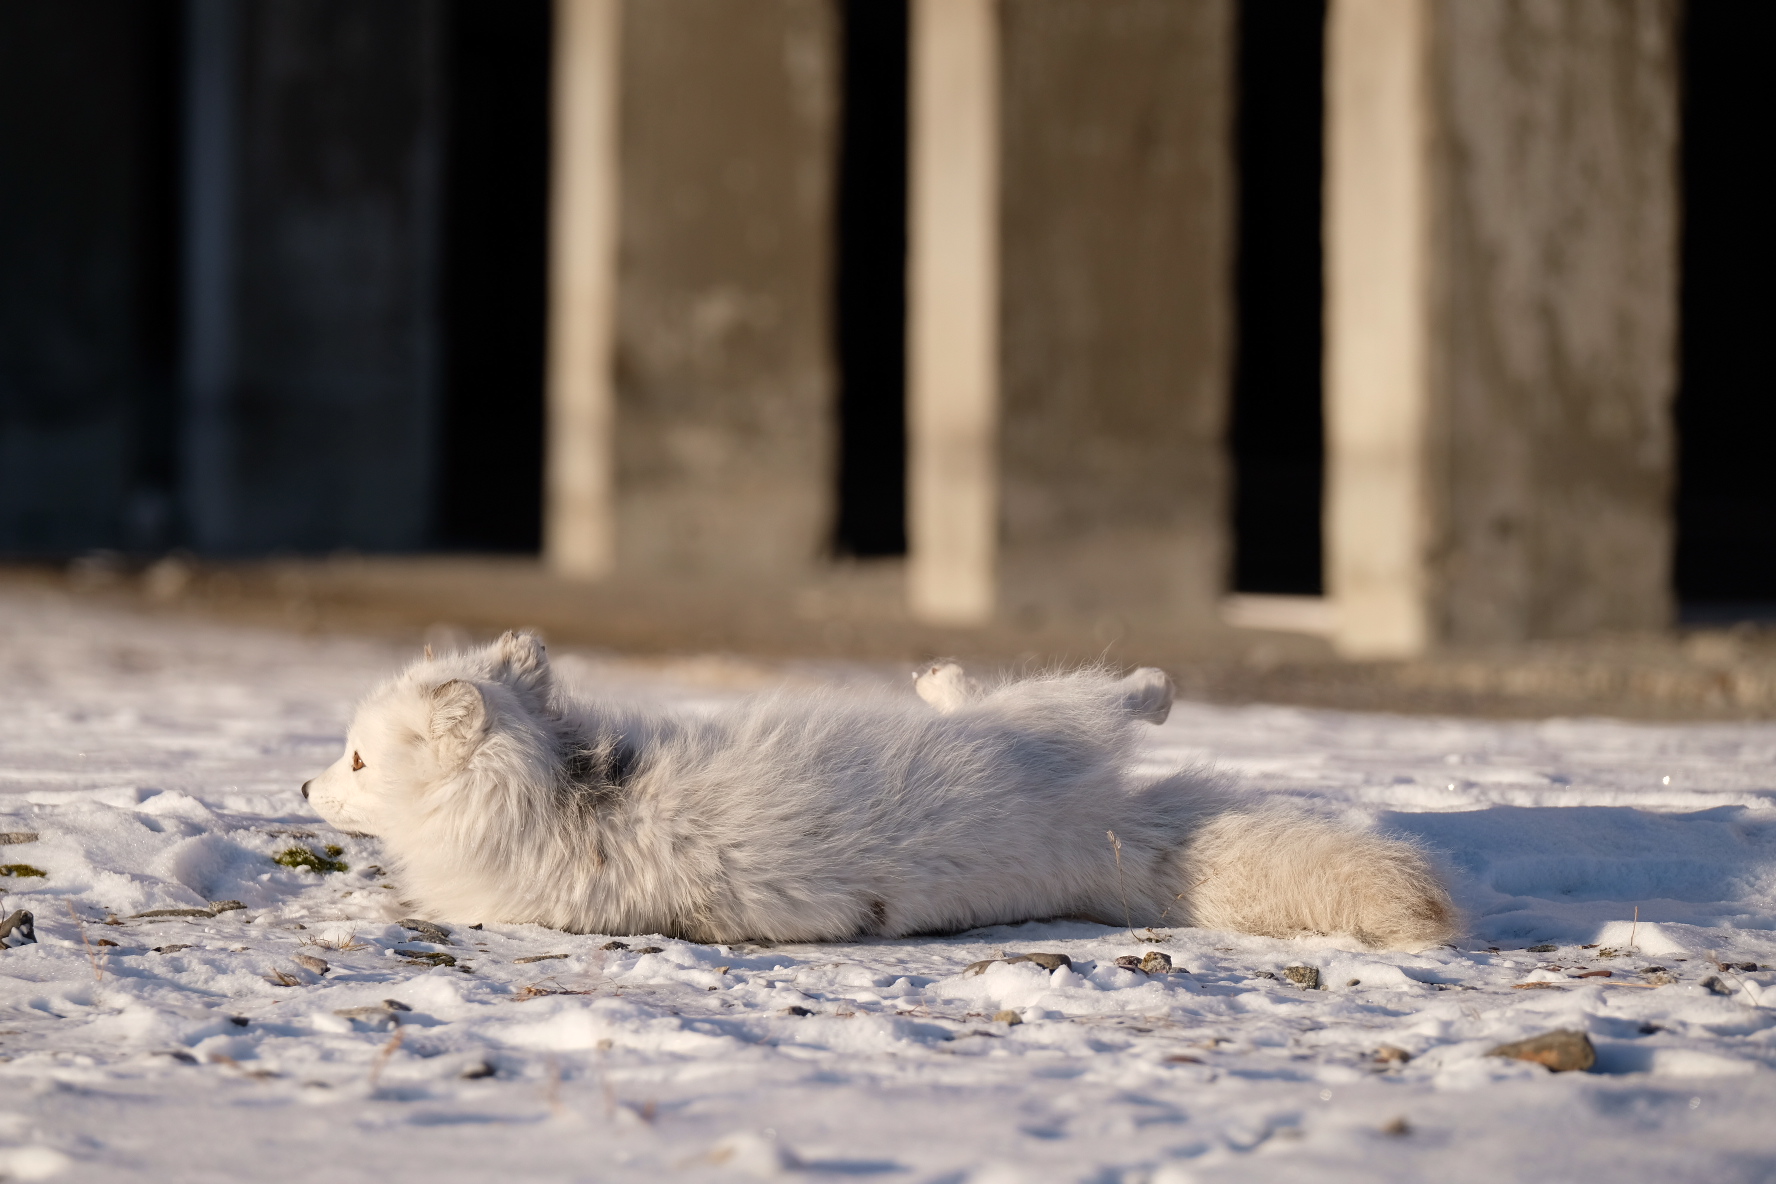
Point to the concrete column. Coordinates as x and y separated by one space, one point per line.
579 523
1502 275
725 391
1378 324
953 312
1116 241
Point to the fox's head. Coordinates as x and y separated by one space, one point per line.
418 733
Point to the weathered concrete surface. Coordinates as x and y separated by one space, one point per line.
1556 358
1117 225
724 379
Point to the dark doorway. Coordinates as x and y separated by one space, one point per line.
88 275
1726 406
490 479
870 288
1278 435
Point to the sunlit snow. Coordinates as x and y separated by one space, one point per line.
158 761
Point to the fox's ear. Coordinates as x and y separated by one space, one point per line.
458 720
522 664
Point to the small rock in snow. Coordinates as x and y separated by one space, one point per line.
1154 962
1562 1051
19 929
18 836
759 1154
1048 962
436 934
1714 986
1305 977
310 962
1007 1016
1389 1054
614 945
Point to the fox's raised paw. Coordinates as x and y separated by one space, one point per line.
945 686
1148 694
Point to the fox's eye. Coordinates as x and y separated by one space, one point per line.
357 762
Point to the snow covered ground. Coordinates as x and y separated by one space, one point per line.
159 761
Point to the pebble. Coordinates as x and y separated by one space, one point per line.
1007 1016
436 934
537 958
1714 986
1305 977
18 836
1562 1051
19 929
1048 962
310 962
1389 1054
1154 962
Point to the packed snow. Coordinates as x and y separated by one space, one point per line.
279 1021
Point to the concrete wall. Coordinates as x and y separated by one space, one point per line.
1558 270
1117 193
724 445
1501 346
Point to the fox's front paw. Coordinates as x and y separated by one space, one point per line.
945 686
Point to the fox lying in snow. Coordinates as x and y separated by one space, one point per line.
502 797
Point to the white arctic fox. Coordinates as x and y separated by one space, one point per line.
836 814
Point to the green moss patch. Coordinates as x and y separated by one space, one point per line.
21 869
303 857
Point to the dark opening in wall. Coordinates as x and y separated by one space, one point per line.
88 275
870 285
1278 434
1726 406
490 478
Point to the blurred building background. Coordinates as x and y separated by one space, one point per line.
1406 324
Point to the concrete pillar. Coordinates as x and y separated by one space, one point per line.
1117 235
953 312
1378 325
725 406
579 520
1502 273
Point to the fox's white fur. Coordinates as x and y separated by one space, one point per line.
502 797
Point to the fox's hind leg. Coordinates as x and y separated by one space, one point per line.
1147 693
946 687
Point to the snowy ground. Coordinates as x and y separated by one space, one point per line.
159 763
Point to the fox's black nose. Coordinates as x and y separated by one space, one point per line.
305 791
